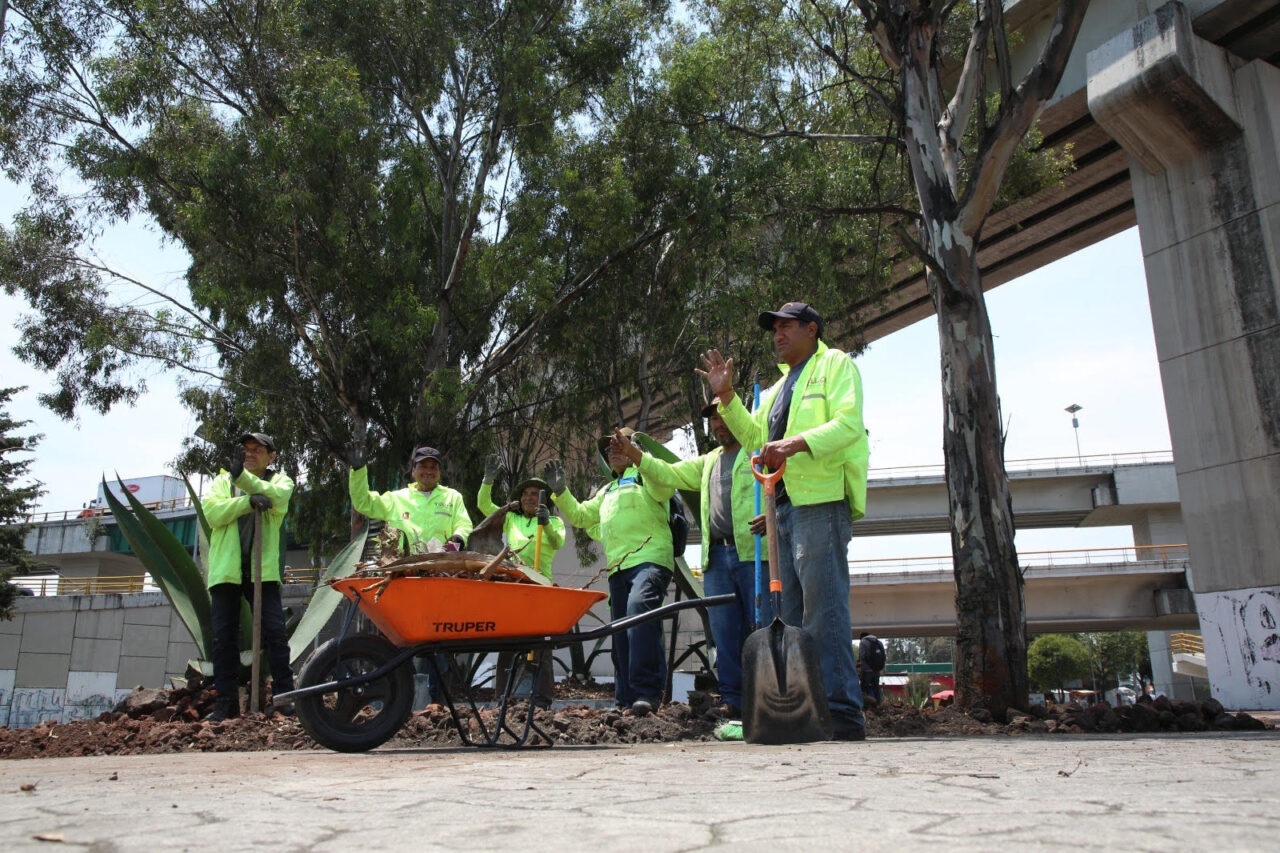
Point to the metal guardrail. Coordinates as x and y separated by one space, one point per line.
1056 464
56 585
1186 644
1070 557
100 512
60 585
1141 554
1045 464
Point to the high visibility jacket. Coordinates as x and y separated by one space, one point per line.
521 532
420 516
826 408
628 510
224 505
696 473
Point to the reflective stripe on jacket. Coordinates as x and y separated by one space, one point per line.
520 531
826 408
627 510
420 516
224 505
696 473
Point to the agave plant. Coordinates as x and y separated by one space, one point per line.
183 581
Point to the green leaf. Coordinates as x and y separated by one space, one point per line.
188 573
325 599
204 522
157 561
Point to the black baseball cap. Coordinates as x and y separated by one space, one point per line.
709 409
802 311
424 452
261 437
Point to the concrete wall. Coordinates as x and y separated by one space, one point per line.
71 657
1202 128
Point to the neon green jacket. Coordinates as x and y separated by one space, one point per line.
628 509
826 408
223 507
419 515
696 473
521 531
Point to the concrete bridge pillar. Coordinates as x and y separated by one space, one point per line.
1202 130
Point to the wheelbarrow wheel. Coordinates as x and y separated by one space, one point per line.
359 717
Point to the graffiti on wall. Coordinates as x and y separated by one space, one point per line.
1241 630
25 707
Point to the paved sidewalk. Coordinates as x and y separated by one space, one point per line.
1069 792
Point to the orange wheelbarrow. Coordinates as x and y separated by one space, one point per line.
355 692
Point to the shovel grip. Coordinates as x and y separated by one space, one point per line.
770 480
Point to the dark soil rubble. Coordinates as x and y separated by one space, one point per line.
162 721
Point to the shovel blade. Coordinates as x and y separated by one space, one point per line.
784 698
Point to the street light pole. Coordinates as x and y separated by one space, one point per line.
1075 425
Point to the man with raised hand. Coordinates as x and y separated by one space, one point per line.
520 527
422 511
632 514
811 419
245 488
727 487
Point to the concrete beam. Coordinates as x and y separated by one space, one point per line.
1163 93
1115 597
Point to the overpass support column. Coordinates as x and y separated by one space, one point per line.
1202 130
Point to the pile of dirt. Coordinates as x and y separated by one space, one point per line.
160 721
1159 715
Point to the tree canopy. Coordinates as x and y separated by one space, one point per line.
16 500
474 225
1055 659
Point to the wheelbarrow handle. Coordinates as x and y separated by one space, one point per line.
770 480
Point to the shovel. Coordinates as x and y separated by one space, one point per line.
784 698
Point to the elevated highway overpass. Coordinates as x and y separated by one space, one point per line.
1103 589
1138 490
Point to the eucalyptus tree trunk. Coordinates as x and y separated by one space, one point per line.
958 155
991 641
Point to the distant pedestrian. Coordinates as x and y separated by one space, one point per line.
871 661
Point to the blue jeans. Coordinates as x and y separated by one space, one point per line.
639 668
224 599
732 623
813 562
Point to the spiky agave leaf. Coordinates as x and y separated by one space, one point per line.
325 599
160 560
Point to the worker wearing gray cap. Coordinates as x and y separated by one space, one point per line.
248 486
422 511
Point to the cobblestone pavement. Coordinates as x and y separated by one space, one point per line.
1069 792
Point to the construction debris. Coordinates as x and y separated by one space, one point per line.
163 721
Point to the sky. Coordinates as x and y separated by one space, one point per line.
1075 331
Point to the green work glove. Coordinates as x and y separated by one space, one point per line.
236 468
492 464
554 475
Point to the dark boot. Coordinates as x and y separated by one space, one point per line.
223 709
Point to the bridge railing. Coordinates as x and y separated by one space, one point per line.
1186 644
59 585
1027 559
1045 464
101 512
